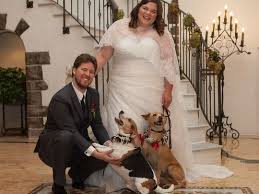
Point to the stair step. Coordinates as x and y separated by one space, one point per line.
194 116
206 153
97 35
197 131
189 94
184 81
189 100
74 26
88 36
186 86
46 4
195 126
70 21
192 109
61 14
205 146
78 25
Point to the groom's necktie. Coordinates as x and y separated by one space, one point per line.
83 103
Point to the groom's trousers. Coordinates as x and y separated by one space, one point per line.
59 151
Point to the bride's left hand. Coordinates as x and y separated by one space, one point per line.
167 97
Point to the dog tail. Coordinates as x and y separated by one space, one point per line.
161 190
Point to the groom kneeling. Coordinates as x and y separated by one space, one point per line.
65 142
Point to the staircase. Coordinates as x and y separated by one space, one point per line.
203 151
86 34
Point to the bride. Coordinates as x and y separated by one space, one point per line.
145 75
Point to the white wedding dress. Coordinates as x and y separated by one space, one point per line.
140 62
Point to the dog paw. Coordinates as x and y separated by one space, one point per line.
101 148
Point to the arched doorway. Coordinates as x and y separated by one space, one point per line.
13 86
12 50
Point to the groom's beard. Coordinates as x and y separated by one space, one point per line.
84 82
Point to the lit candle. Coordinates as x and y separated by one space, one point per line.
219 13
213 28
225 16
236 25
242 37
236 34
231 18
206 34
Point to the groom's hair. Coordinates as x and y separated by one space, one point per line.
85 58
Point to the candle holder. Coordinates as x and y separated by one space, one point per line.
226 42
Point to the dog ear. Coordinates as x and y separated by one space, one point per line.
118 121
121 113
146 116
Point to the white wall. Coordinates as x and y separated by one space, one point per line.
45 34
257 93
241 88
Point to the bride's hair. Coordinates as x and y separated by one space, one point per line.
158 24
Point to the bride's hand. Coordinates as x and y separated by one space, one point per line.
167 94
167 97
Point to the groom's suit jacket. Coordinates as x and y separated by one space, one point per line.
65 113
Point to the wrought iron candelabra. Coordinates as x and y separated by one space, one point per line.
224 38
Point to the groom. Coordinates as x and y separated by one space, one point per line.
65 142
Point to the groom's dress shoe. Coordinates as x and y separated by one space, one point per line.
58 189
78 185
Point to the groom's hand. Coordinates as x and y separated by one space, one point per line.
106 156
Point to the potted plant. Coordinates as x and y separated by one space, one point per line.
188 21
173 12
195 39
214 61
120 14
12 84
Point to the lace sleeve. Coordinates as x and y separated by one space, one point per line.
109 37
169 63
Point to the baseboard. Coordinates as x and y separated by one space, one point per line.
250 136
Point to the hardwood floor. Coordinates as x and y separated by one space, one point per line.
21 169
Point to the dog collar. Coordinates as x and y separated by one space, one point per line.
154 144
146 137
157 131
121 139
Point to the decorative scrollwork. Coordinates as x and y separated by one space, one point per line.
234 133
224 128
226 45
223 42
